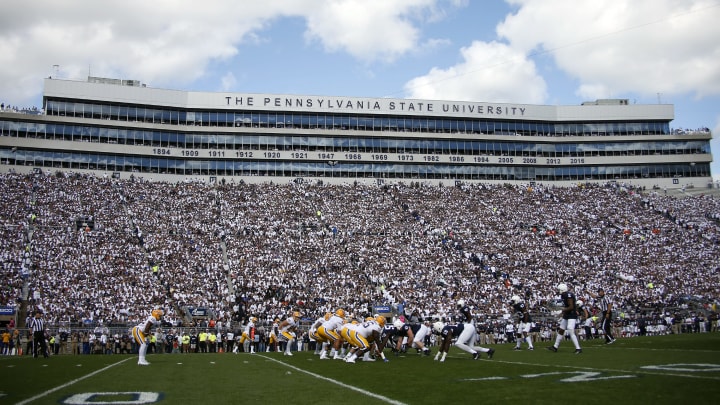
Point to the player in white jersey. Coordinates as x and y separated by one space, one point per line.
141 333
288 328
248 335
330 331
363 337
320 342
273 340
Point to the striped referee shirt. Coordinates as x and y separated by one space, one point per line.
37 325
604 304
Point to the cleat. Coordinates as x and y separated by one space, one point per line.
517 348
476 355
287 354
552 349
427 352
531 348
143 363
578 351
323 356
368 359
610 342
490 353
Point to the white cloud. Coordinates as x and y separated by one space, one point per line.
369 30
488 72
173 41
228 82
641 46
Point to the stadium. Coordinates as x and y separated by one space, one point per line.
124 128
217 207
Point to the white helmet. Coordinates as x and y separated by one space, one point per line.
579 303
398 324
461 303
562 287
515 299
438 326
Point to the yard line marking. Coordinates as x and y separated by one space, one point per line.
360 390
50 391
610 370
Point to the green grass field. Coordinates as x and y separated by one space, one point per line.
659 370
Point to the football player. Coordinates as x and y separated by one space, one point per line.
141 332
273 337
467 336
320 342
569 318
525 322
330 331
288 328
447 333
248 335
364 337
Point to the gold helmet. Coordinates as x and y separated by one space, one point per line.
380 320
369 318
328 315
296 314
340 312
157 313
253 319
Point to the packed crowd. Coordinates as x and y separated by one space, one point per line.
237 249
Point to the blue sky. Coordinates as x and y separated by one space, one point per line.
557 52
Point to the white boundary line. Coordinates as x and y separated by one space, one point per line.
67 384
330 380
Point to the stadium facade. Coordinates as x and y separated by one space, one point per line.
124 128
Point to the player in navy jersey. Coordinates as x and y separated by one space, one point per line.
468 336
447 333
524 322
398 335
420 330
569 318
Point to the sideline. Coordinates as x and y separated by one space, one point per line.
67 384
318 376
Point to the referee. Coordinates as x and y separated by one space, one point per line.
37 325
606 307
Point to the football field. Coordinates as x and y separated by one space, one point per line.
657 370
